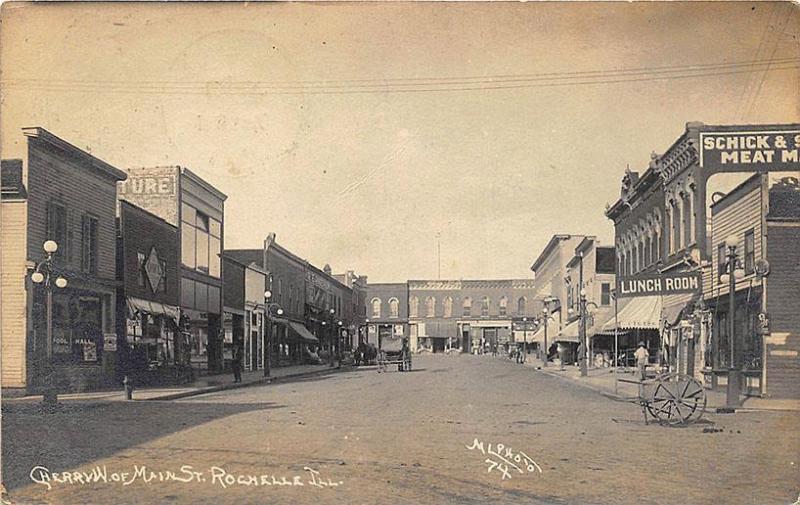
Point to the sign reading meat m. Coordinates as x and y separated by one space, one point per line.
757 151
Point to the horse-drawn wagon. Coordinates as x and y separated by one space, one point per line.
394 350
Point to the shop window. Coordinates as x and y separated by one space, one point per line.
749 251
188 214
187 293
89 244
214 300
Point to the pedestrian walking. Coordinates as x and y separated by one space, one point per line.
642 357
236 363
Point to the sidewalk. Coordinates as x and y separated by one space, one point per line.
602 380
203 385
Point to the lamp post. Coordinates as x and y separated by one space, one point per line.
616 341
729 277
268 306
43 274
545 316
340 325
525 338
331 312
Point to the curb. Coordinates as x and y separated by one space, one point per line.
709 408
225 387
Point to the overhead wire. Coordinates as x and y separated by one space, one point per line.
406 85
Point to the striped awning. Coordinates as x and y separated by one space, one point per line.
303 332
151 307
642 312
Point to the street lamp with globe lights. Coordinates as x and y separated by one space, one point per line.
732 273
268 307
43 274
583 347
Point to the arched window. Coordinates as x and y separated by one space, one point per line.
430 306
503 306
485 306
676 226
413 307
394 307
376 307
448 307
687 217
467 306
521 305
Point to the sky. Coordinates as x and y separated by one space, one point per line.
369 136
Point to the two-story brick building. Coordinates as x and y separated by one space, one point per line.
185 200
53 190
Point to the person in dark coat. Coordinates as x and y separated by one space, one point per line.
236 363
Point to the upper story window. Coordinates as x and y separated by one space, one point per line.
57 229
686 200
201 240
394 308
430 306
503 307
376 307
413 307
448 307
521 305
721 259
605 293
467 306
89 244
749 251
485 306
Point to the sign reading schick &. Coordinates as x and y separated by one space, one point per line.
759 151
652 285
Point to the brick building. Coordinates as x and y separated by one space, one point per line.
387 311
53 190
149 342
183 199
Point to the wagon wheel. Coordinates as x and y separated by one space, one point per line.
677 399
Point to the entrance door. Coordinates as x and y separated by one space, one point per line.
438 344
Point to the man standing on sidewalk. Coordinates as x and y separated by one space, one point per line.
642 357
236 363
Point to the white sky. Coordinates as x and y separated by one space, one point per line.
367 181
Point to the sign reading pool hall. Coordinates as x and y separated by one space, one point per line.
658 285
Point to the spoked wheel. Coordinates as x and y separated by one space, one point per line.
677 399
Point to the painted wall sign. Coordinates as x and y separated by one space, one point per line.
759 151
154 189
652 285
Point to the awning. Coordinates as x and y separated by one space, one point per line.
150 307
642 312
303 332
675 307
569 333
538 336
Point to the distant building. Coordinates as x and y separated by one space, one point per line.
387 311
52 190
